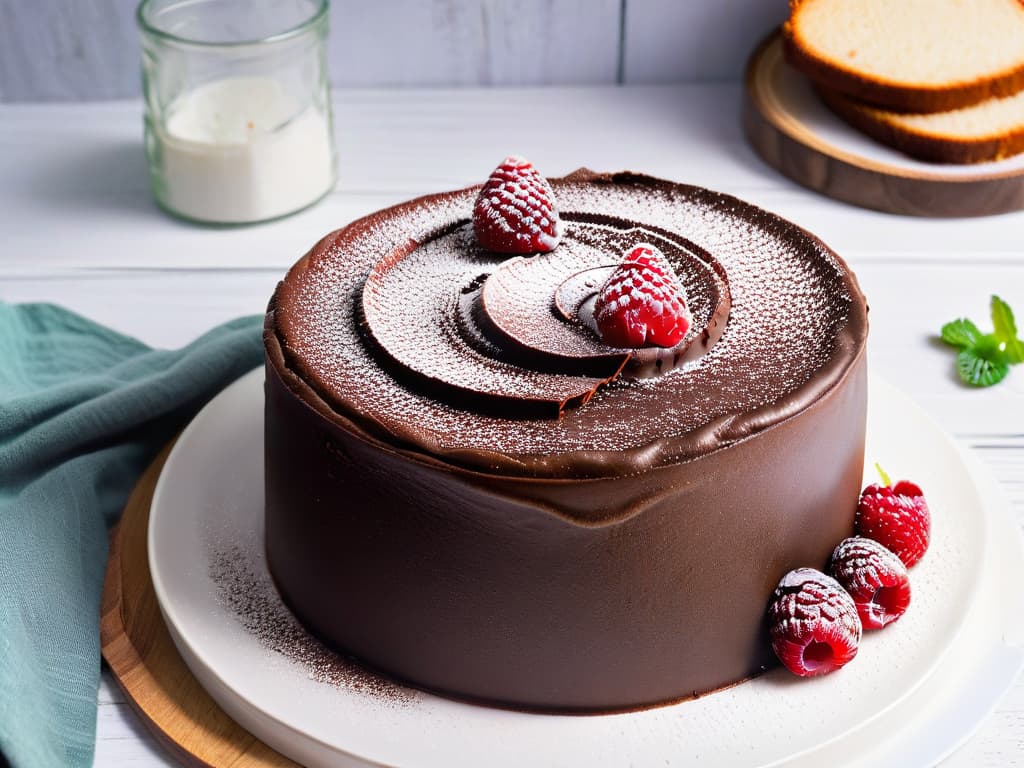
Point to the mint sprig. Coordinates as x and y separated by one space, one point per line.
985 359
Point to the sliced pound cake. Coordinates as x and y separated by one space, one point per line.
910 55
991 130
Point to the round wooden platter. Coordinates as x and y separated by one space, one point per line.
796 134
142 656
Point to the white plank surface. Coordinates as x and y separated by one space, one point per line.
53 50
684 41
56 49
79 229
474 42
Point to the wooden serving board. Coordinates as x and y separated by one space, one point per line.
797 135
142 656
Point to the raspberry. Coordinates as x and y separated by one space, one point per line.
875 578
896 517
813 623
515 211
642 302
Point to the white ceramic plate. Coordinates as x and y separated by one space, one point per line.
901 701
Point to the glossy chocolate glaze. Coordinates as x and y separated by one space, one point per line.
796 323
627 563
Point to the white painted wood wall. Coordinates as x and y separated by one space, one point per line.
74 50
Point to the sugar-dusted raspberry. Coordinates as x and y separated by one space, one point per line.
813 623
896 517
874 577
642 302
515 211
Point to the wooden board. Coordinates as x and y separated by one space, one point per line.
816 150
143 658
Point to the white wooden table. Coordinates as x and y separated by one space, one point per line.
78 228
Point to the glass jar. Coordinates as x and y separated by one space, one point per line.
238 114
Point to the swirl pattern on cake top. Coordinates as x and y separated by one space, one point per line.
425 340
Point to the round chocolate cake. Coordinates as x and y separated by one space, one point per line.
468 490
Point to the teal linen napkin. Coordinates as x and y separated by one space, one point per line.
82 411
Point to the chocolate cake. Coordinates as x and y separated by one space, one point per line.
467 490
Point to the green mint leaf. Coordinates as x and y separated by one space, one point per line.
881 473
980 370
1014 351
1006 331
961 333
1002 320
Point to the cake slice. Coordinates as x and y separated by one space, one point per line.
991 130
910 55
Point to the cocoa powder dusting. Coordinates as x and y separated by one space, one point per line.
249 593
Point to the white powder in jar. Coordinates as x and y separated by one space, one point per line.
240 150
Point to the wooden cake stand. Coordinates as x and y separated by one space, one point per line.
793 131
145 662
